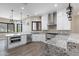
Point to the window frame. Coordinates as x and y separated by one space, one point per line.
37 25
7 27
13 27
17 27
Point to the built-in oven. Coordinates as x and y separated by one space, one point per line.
15 39
29 38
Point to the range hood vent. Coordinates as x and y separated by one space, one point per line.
52 18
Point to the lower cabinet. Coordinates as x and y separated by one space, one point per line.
3 44
23 39
29 38
38 37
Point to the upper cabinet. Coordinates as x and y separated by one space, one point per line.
62 21
44 22
52 18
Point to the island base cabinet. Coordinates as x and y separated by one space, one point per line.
3 45
24 39
17 41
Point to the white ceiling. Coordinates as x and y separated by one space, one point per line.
31 9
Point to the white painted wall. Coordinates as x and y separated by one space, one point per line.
45 22
26 26
62 21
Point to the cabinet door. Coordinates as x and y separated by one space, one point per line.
3 44
59 21
38 37
50 17
29 38
35 37
42 37
44 22
23 39
62 21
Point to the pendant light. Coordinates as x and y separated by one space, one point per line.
11 17
69 12
21 14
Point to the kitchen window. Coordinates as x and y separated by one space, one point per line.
19 27
3 27
10 27
6 27
36 25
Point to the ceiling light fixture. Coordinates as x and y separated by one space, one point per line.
78 13
35 13
55 5
11 17
22 8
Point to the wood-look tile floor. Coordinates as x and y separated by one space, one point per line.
34 49
31 49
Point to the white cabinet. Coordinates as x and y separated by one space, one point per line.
45 22
26 26
17 41
14 41
24 39
3 44
55 18
62 21
38 37
35 37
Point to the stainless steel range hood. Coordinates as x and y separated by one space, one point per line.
52 18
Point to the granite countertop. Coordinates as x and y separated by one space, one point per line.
59 41
74 37
14 34
3 36
10 34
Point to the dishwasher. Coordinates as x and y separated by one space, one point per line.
29 38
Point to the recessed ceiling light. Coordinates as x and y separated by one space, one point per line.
36 13
55 5
22 8
78 13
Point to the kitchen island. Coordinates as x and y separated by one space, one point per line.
11 40
73 44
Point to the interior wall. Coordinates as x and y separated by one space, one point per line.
75 24
27 24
